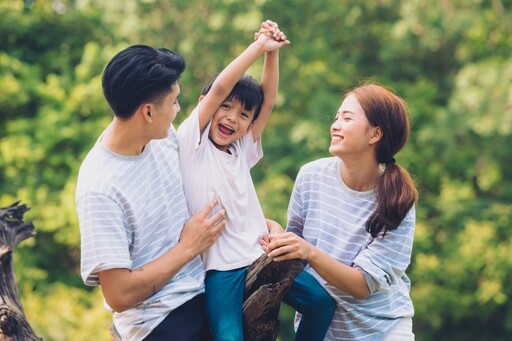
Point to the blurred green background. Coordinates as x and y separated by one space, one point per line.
450 59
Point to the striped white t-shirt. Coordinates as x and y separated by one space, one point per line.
131 210
331 216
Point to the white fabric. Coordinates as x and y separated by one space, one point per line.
402 331
209 173
131 210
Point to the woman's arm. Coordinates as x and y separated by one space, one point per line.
348 279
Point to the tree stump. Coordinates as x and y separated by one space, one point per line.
266 284
13 230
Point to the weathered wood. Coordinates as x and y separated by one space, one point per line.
13 230
266 284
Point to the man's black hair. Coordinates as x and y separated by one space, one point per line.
140 74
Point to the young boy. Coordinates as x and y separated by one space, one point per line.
219 143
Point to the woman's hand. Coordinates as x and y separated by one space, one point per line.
288 245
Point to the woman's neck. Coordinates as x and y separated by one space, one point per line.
360 175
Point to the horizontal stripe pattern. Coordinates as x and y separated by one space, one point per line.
131 210
331 216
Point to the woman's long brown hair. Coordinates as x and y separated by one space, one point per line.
396 192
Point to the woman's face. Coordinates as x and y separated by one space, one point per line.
351 133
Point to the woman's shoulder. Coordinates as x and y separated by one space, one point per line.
320 165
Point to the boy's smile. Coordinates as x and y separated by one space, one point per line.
230 123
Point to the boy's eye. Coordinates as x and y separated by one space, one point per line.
225 105
245 115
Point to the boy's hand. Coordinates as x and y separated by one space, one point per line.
273 228
271 36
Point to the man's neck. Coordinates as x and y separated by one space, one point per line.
122 138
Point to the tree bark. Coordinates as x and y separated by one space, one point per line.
266 284
13 230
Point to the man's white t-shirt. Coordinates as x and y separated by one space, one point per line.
131 210
209 173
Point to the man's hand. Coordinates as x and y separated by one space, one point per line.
200 232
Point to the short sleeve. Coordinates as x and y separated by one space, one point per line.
253 149
189 134
104 237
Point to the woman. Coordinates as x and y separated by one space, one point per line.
352 217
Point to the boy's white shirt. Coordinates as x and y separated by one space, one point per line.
209 173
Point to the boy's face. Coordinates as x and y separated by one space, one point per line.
230 123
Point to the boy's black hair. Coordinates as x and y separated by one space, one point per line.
140 74
247 90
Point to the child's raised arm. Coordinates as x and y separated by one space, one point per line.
269 78
227 79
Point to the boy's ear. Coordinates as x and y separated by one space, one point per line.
200 99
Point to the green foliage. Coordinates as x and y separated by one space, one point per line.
450 60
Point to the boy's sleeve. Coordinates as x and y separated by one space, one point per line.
189 134
253 149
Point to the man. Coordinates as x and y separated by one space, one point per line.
138 241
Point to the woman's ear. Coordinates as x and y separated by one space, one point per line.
200 99
376 135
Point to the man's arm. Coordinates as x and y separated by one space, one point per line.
124 288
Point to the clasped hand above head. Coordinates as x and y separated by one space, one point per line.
272 37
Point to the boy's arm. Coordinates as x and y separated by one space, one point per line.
269 84
227 79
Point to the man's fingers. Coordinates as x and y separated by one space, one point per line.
209 208
218 218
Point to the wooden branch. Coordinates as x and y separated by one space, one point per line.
13 230
266 284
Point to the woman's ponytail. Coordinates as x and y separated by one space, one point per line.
396 192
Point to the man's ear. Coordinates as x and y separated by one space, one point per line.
145 111
376 135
